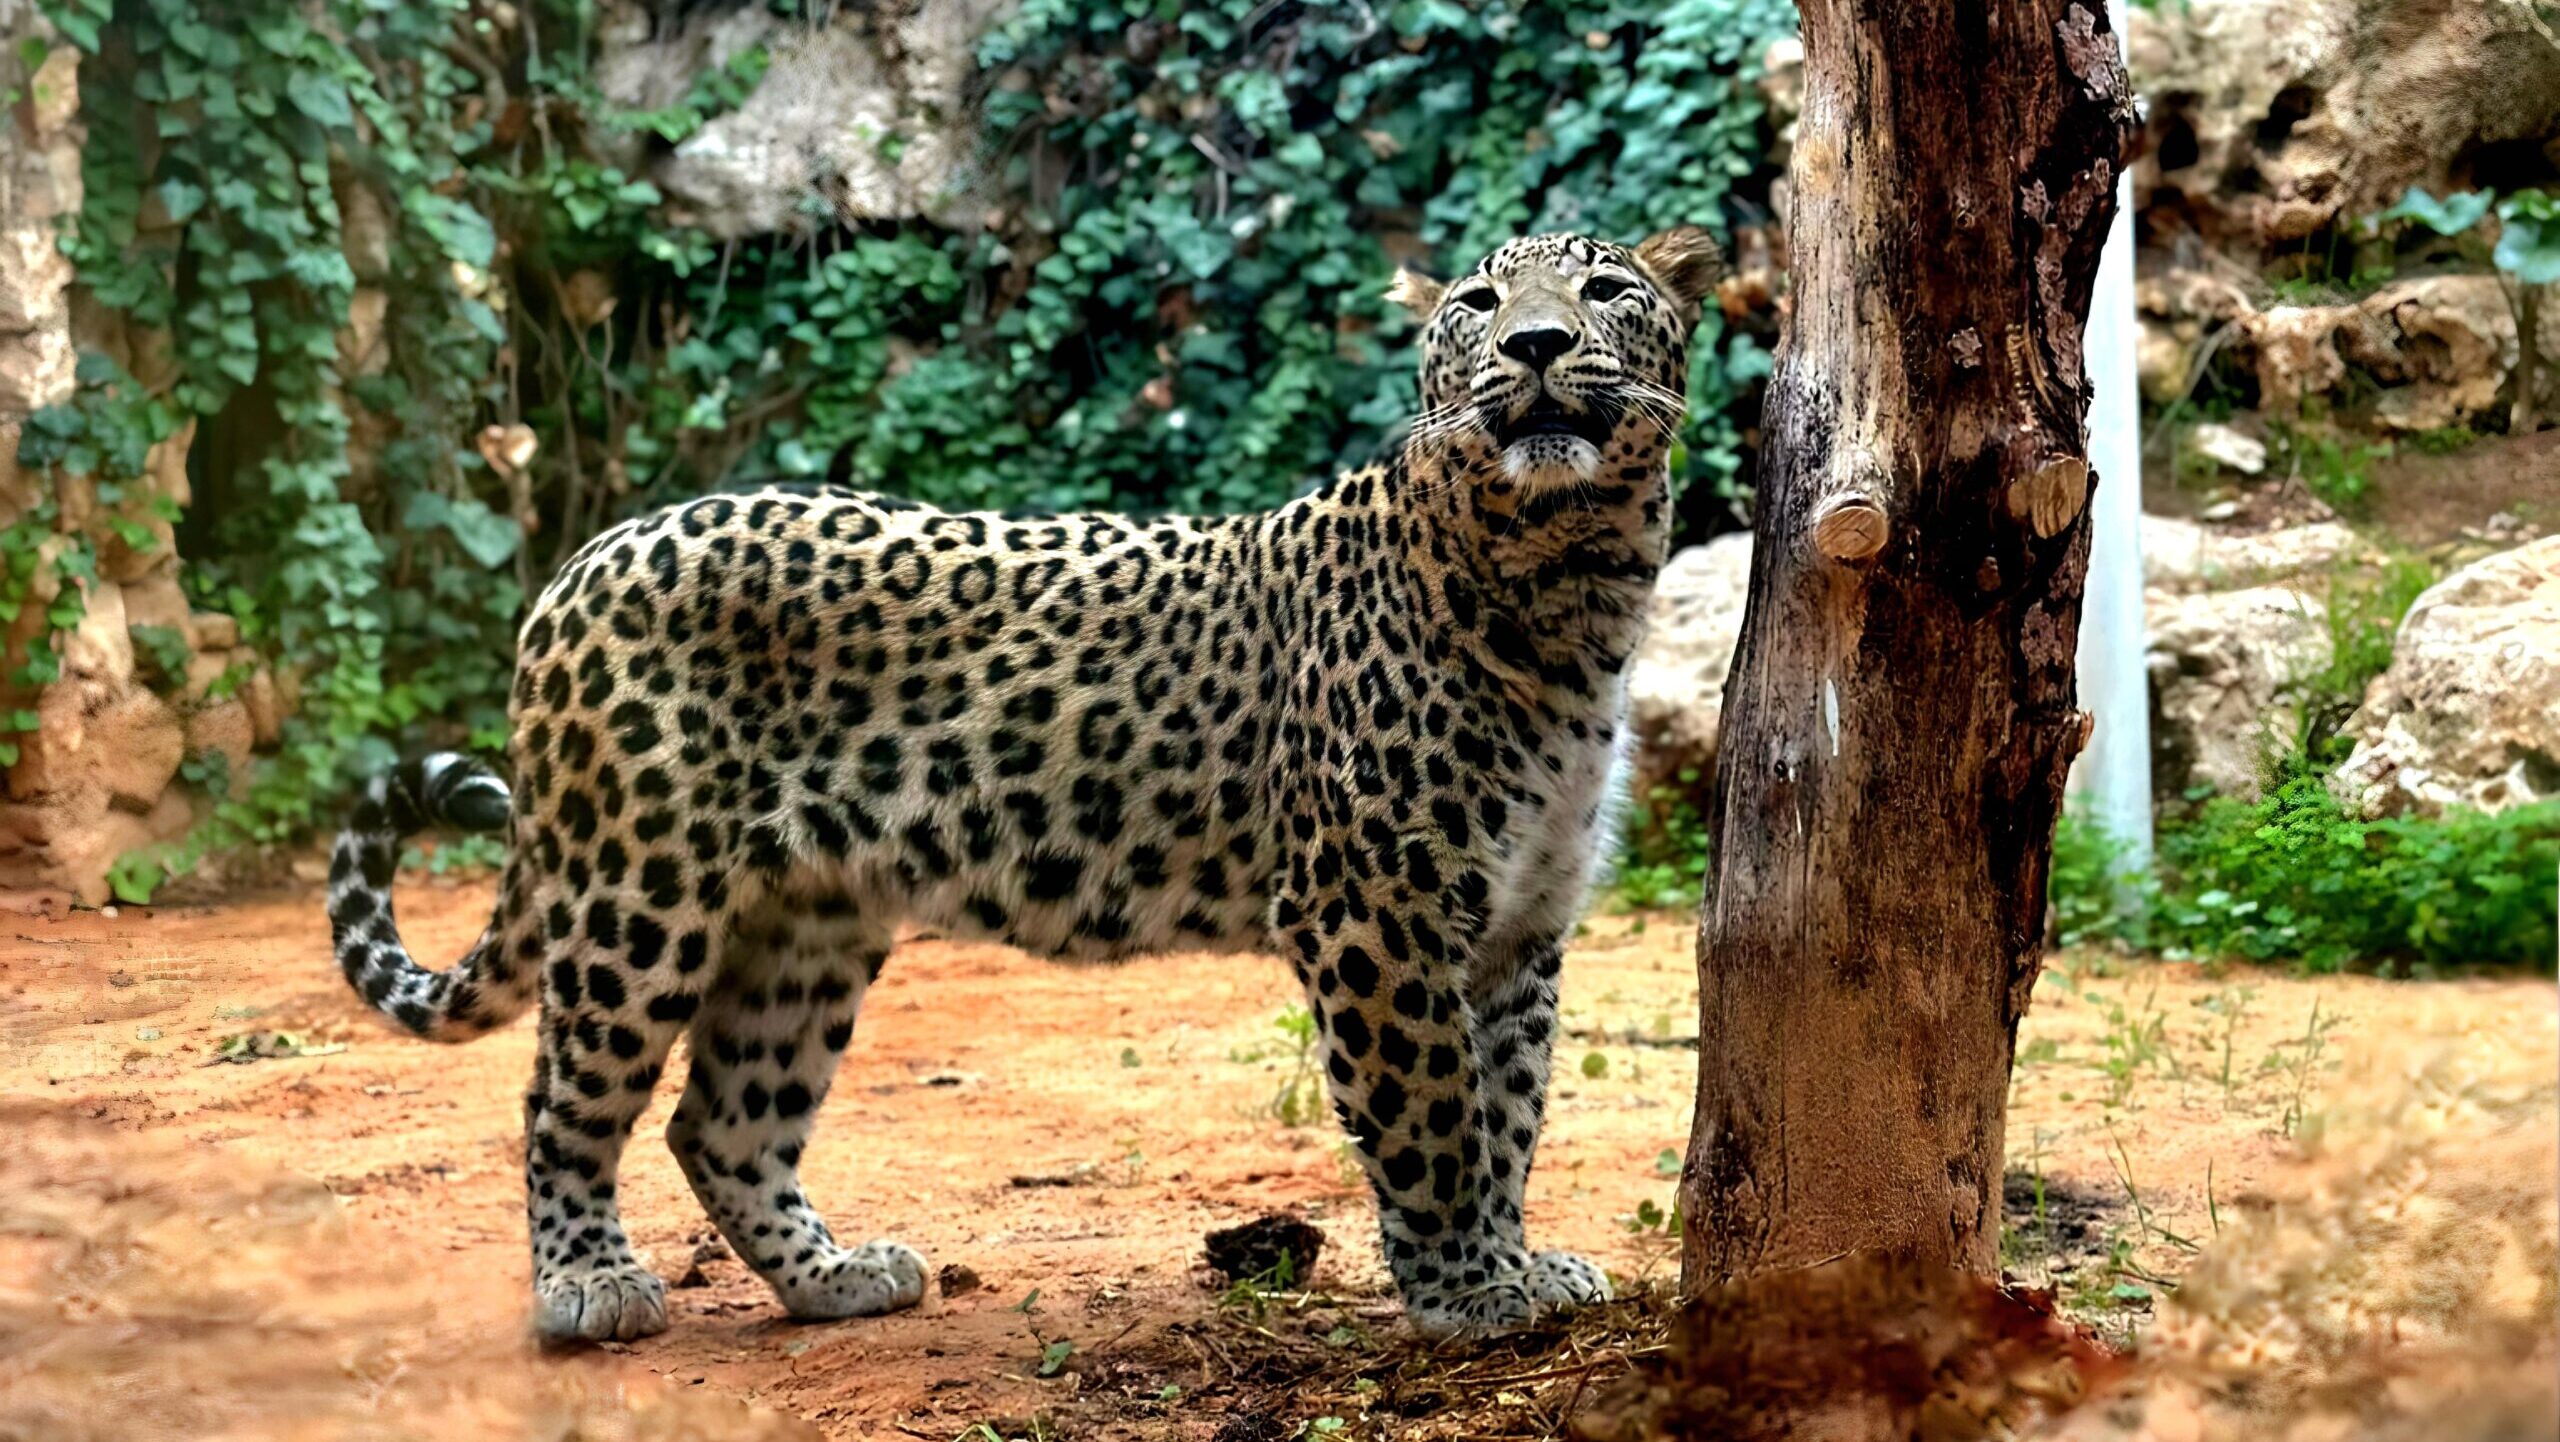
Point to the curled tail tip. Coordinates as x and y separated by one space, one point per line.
462 792
441 789
444 789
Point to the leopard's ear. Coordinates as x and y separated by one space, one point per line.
1686 262
1415 291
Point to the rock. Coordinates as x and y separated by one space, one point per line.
2181 557
120 560
2442 346
213 630
2220 664
266 709
2228 448
224 726
865 116
2271 119
36 369
122 744
156 599
100 648
2296 351
1676 686
2469 711
91 784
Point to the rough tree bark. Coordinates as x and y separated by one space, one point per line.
1900 713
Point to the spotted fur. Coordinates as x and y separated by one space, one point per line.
1372 731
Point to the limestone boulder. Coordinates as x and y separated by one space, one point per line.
2469 712
2182 557
266 710
2440 347
225 727
2221 665
2271 119
1676 686
867 115
96 746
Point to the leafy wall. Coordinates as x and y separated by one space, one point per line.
401 265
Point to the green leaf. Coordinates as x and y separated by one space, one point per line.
460 231
2529 238
180 199
486 536
321 97
2452 215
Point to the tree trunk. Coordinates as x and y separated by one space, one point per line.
1900 713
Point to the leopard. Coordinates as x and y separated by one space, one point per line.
757 738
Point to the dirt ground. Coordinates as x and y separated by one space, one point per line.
233 1205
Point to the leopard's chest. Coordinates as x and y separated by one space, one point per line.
1573 794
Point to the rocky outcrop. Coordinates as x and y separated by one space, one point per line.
866 116
144 682
2469 712
1676 686
2182 557
2437 350
2221 664
2236 620
2272 120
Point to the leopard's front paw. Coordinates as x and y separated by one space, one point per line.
1563 1280
1487 1309
613 1303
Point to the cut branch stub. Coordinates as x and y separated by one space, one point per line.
1850 529
2049 500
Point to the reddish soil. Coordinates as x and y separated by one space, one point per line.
329 1242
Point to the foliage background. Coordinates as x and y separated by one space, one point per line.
1175 305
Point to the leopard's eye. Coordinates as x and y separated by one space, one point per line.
1602 289
1479 299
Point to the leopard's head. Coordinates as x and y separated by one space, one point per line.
1560 353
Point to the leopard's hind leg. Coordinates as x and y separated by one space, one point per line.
617 985
765 1047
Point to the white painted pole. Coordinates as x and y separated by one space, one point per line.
2112 780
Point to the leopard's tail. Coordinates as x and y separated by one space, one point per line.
479 993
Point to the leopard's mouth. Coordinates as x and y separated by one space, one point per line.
1547 416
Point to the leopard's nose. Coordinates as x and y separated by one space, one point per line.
1538 344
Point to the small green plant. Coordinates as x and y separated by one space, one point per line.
2142 1213
2293 876
1662 863
2135 1042
2231 1007
163 652
1254 1295
1300 1097
2300 1061
2364 609
2089 896
2445 440
1595 1065
1651 1220
2339 473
